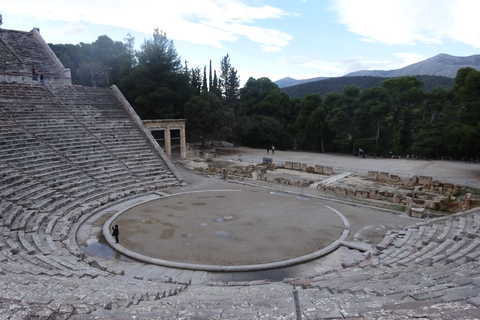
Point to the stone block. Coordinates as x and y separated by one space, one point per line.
304 167
414 179
383 176
362 194
258 282
310 169
318 169
327 170
431 204
394 178
262 171
397 198
297 166
373 194
448 188
388 240
238 283
351 192
372 175
288 165
409 185
424 180
416 214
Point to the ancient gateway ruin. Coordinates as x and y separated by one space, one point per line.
167 126
74 158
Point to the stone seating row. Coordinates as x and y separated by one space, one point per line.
46 238
118 137
88 167
128 135
349 294
81 296
27 48
438 241
10 63
44 191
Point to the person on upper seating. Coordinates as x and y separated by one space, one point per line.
34 74
42 77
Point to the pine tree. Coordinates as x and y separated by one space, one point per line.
224 74
215 86
204 86
229 83
210 84
196 80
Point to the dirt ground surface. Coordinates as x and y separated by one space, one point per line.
206 222
456 172
239 226
172 226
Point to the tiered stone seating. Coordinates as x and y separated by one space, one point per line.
55 167
437 241
53 295
66 152
24 52
10 64
105 119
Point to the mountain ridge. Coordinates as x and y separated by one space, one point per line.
323 87
442 64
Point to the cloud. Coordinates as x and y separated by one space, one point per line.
206 22
270 49
406 59
411 22
72 30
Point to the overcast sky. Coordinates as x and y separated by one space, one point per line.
268 38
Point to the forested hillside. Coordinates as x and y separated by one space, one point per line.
322 87
426 115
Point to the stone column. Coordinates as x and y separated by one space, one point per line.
183 143
408 208
168 143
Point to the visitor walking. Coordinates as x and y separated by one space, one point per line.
273 149
115 233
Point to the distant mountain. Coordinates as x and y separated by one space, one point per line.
287 82
440 65
322 87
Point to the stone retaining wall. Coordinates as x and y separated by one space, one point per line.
308 168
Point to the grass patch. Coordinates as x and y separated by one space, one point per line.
474 191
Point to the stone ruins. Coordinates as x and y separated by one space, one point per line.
69 153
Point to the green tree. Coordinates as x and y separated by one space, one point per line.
341 119
229 83
404 93
370 118
215 85
306 122
208 117
430 122
157 86
103 62
467 97
204 83
253 92
196 80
